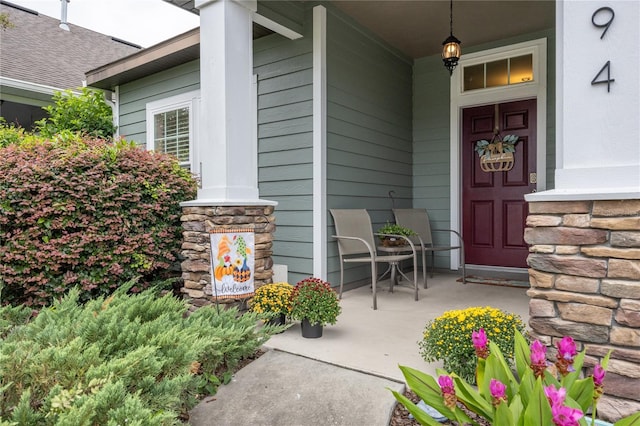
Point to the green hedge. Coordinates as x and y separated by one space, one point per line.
86 113
124 359
87 213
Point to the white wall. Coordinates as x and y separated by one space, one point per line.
598 131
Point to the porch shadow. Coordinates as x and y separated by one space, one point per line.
376 342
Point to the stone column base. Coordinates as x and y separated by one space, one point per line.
585 283
197 221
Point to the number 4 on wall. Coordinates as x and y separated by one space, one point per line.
606 81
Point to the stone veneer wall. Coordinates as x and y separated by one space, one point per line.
585 282
197 222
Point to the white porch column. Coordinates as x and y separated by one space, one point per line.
598 130
597 181
226 146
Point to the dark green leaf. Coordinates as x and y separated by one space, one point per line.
581 391
503 415
632 420
522 354
517 410
427 389
470 397
567 381
538 411
527 383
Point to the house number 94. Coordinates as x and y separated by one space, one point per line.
602 18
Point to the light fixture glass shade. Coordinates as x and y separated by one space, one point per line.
451 52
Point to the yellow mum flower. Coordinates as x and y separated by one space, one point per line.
448 337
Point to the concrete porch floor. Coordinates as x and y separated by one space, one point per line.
376 342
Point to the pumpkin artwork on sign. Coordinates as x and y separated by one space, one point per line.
224 260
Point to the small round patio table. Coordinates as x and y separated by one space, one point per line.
394 269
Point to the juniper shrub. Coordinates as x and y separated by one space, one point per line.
123 359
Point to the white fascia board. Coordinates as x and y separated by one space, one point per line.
276 27
30 87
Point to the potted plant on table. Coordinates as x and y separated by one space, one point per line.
388 232
273 300
315 304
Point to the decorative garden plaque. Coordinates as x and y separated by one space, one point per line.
232 263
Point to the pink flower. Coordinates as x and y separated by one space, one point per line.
538 358
562 415
567 348
538 353
565 416
446 384
497 389
566 352
448 391
598 381
598 375
555 396
479 339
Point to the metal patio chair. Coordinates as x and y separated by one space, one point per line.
418 221
356 244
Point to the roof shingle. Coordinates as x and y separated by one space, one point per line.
36 50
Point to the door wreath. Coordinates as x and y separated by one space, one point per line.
497 155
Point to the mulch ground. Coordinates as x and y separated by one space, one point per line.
400 415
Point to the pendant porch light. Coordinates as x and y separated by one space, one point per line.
451 46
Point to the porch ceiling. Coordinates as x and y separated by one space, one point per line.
418 27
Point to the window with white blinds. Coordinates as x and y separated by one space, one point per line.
170 127
171 133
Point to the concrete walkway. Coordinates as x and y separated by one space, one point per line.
290 390
376 342
342 377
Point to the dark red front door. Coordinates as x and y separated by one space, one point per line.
493 207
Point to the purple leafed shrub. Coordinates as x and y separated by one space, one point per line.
86 213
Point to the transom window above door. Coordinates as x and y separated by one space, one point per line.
502 72
170 127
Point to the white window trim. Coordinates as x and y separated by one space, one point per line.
535 89
497 55
187 99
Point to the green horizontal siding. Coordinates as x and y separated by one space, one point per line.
135 95
369 129
275 114
284 97
275 159
288 13
295 250
285 124
285 142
